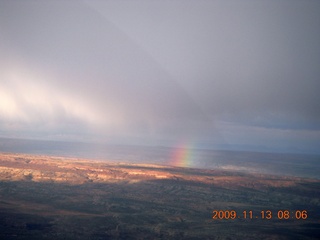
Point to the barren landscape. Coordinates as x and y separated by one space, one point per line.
45 197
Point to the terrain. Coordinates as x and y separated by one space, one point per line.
46 197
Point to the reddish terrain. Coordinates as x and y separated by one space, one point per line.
43 197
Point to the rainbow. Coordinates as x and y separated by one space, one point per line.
182 156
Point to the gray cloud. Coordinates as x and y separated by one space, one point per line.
253 58
160 70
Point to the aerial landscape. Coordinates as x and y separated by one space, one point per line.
63 198
165 119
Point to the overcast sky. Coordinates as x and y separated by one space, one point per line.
217 74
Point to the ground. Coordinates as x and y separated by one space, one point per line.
44 197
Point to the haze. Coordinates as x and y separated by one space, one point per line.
237 75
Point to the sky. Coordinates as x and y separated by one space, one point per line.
220 74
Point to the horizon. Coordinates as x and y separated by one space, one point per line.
219 148
281 164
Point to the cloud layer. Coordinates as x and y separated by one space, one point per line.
162 72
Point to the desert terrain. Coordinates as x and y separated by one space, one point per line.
45 197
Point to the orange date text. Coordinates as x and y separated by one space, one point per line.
263 214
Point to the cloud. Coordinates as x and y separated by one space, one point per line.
159 70
27 100
252 62
94 73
